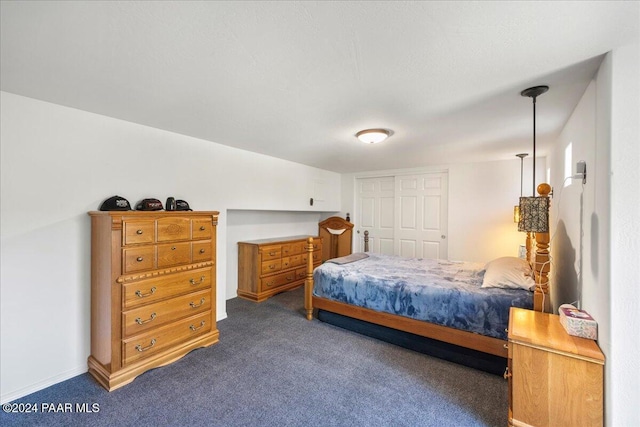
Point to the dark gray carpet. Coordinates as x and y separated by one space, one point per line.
272 367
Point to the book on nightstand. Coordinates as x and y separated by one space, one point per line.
577 322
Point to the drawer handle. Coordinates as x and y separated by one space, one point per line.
139 232
193 305
173 248
272 266
201 251
139 321
141 295
193 281
140 348
272 253
291 277
193 328
505 346
139 259
202 228
507 374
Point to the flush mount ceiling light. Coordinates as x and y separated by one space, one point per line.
372 136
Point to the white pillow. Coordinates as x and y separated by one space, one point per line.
508 273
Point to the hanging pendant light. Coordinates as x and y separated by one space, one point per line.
534 211
516 208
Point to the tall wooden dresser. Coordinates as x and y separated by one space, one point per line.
153 290
555 379
269 266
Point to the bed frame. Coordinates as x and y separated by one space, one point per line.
539 261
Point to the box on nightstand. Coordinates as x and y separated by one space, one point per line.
577 322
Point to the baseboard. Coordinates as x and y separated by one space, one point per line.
17 394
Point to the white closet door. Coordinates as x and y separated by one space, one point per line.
375 213
405 215
421 216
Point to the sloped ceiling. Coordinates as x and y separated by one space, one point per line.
297 80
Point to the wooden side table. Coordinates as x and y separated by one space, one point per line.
555 379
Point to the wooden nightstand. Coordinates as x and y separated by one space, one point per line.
555 379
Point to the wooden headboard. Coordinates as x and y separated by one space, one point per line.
337 237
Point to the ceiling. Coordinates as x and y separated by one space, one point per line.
297 80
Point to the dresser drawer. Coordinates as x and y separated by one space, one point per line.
201 229
316 257
298 248
277 280
166 286
286 249
153 315
201 251
295 260
174 254
156 340
270 252
271 266
285 263
170 229
139 258
137 232
301 273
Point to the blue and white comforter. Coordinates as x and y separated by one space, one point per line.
443 292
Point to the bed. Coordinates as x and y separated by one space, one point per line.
390 292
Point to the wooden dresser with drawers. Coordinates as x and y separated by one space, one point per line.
269 266
153 290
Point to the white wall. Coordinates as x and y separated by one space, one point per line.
596 251
623 393
579 245
57 163
481 200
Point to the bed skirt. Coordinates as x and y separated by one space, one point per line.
474 359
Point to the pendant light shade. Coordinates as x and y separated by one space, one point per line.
534 214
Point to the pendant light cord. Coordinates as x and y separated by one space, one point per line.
533 93
534 147
521 175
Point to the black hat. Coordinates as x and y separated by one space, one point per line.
115 203
149 205
181 205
